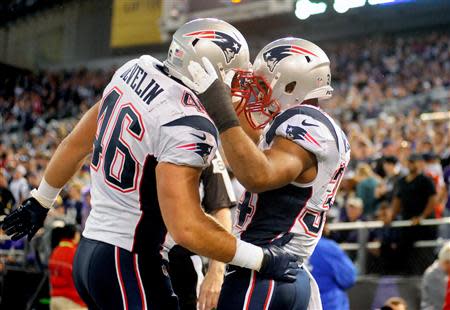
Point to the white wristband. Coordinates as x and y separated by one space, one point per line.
247 255
45 194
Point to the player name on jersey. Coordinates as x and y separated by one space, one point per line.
135 77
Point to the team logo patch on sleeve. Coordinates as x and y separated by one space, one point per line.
278 53
298 133
229 45
201 149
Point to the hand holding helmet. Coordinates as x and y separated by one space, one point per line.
213 94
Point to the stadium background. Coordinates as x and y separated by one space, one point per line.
390 71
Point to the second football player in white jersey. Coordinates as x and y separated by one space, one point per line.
292 178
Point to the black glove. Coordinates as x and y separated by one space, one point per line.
277 264
25 220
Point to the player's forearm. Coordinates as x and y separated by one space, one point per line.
190 227
201 235
72 151
250 166
65 162
253 134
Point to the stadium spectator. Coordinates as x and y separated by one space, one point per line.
352 212
414 200
73 203
433 169
63 293
386 188
434 281
447 184
334 272
416 194
390 259
19 185
365 189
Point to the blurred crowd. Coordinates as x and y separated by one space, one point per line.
383 87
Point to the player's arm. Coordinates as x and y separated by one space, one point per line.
187 223
257 171
179 201
66 160
71 152
260 171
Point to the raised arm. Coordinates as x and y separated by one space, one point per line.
260 171
257 171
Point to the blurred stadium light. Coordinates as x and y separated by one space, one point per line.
305 8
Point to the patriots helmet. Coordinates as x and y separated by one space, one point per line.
286 72
212 38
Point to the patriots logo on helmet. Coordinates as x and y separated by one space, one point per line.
201 149
229 45
273 56
298 133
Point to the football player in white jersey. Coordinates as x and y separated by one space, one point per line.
292 177
150 138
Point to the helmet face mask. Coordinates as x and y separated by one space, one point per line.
255 102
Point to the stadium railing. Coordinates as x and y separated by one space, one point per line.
363 245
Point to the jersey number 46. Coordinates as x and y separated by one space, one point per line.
120 167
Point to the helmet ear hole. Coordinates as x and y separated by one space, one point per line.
289 88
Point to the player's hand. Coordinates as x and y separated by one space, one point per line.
25 220
214 95
202 77
277 264
210 290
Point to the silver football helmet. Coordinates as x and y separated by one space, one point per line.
212 38
286 72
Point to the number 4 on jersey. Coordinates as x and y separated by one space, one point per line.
120 167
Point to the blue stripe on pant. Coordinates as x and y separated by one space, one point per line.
246 289
108 277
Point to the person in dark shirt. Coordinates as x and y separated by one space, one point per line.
415 195
414 200
385 190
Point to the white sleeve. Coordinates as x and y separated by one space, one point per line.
189 141
305 131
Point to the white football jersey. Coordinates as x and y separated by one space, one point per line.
145 117
297 208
